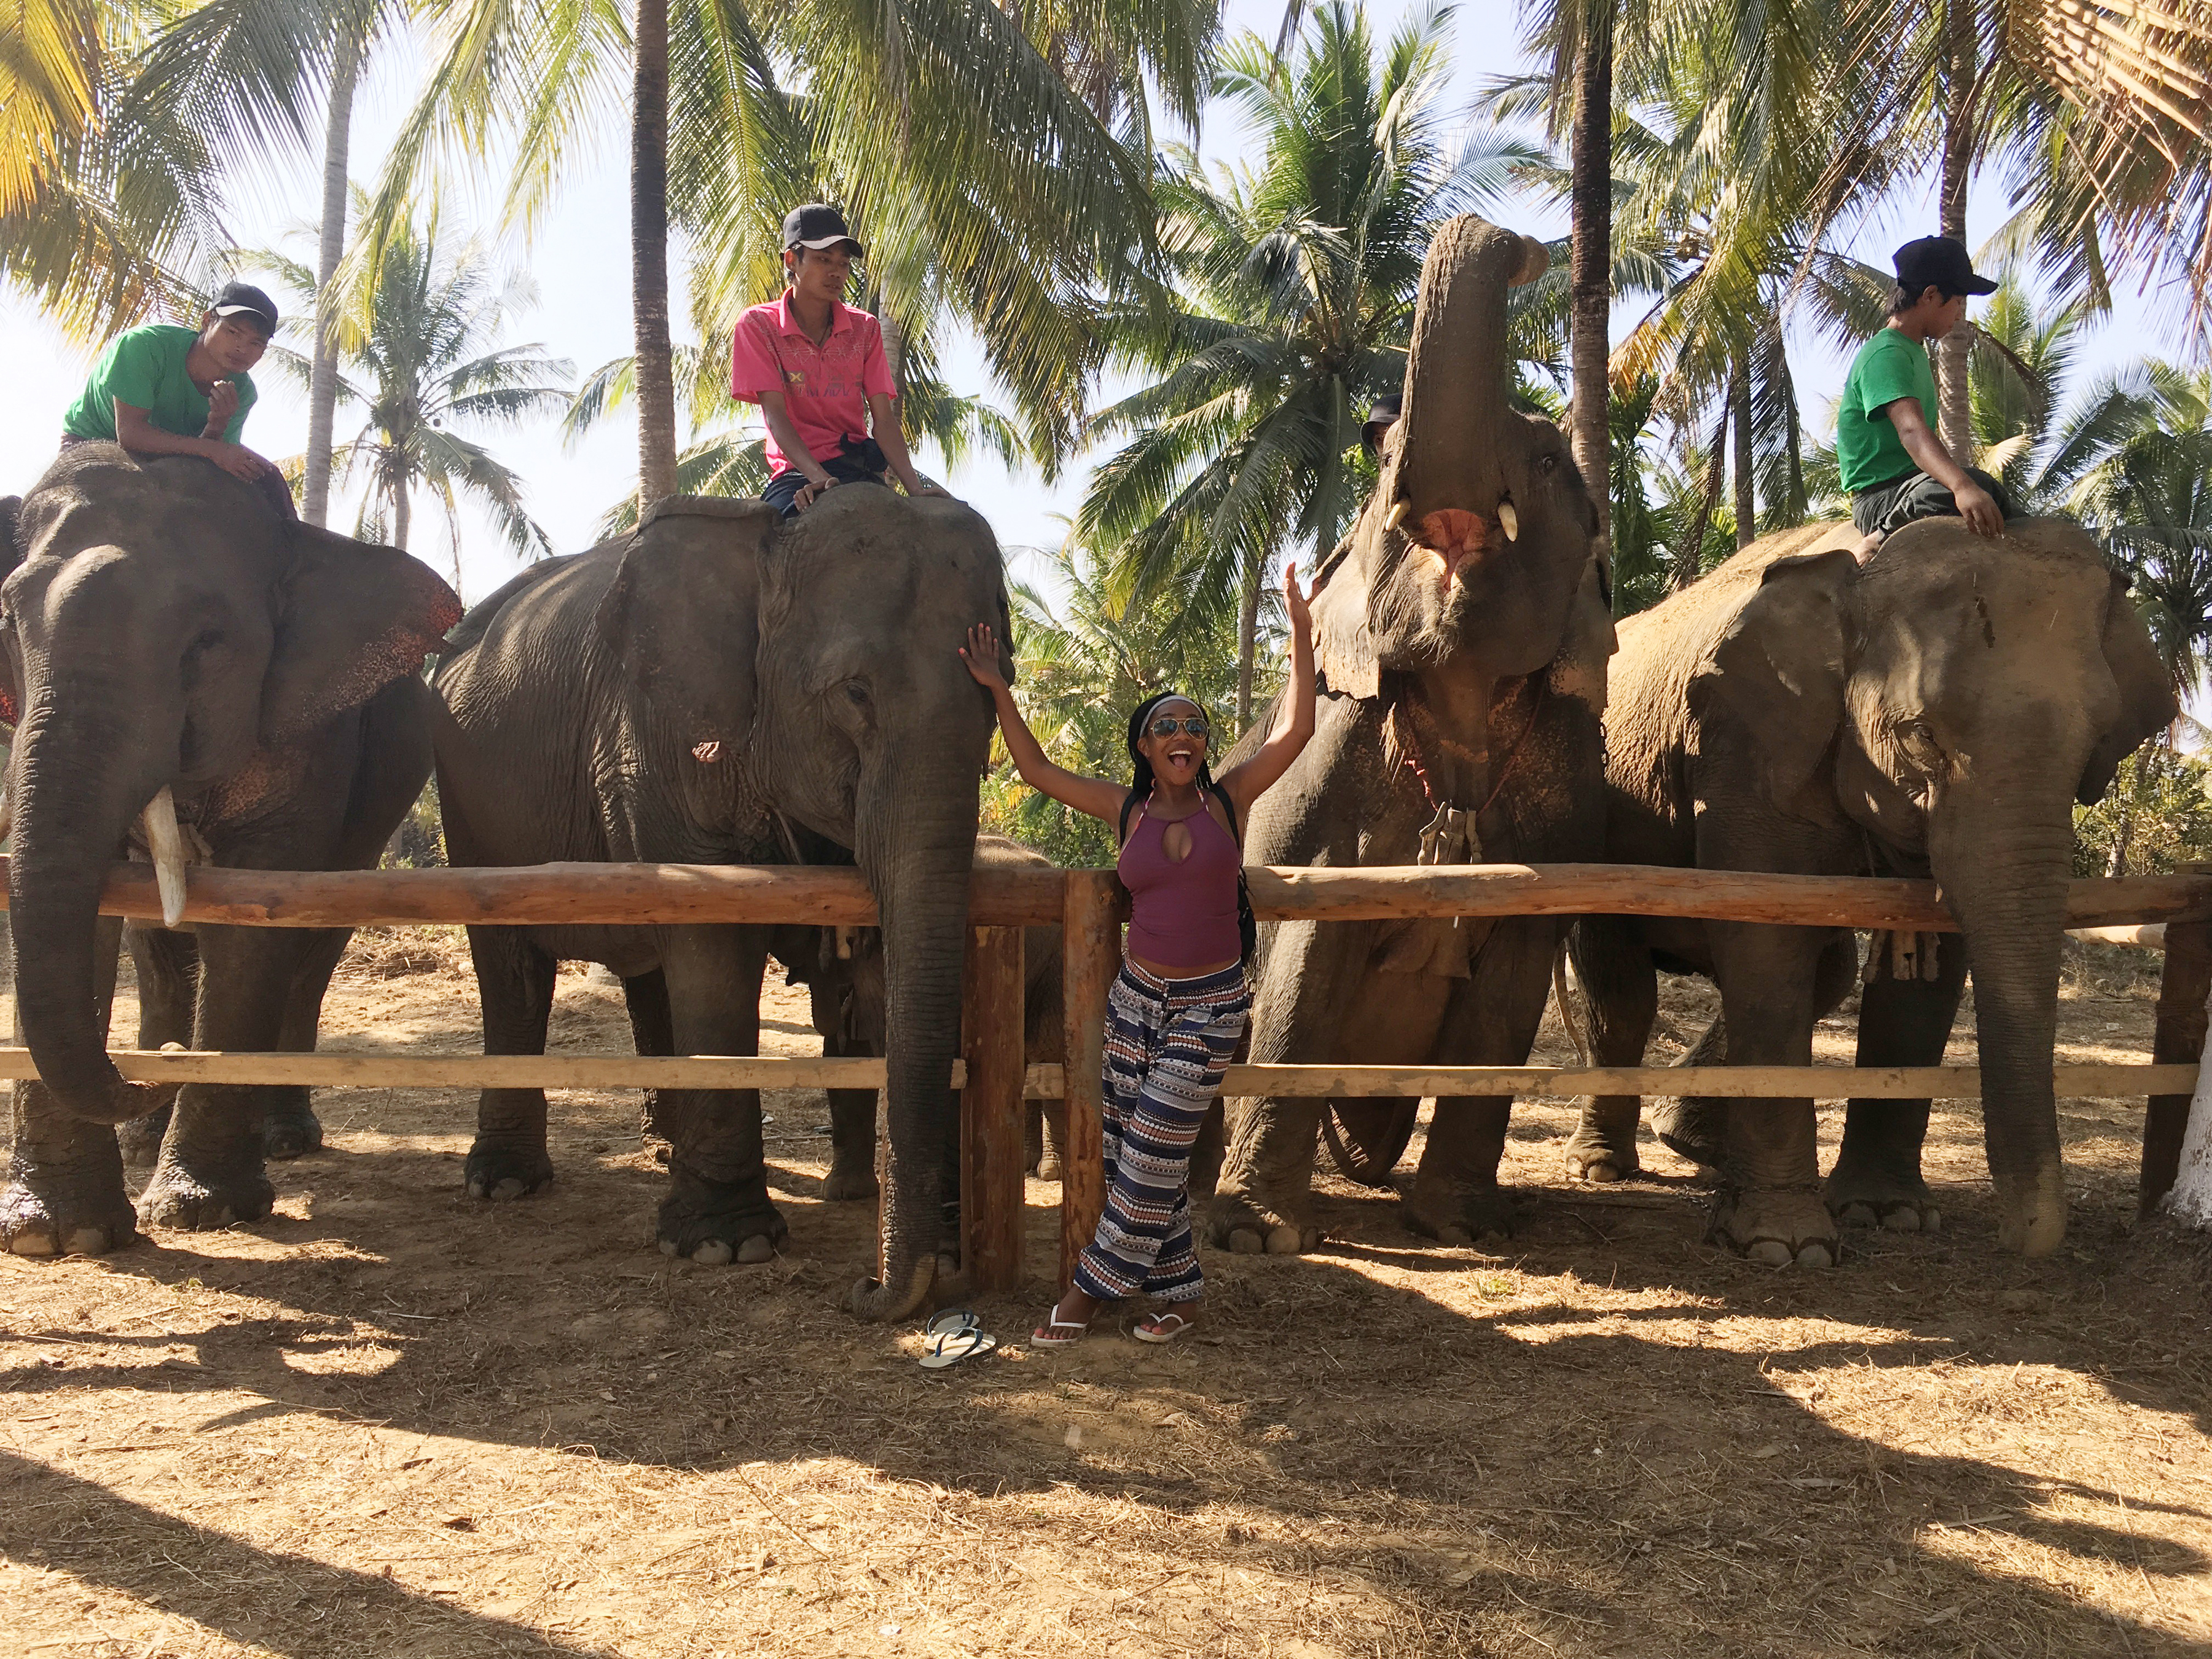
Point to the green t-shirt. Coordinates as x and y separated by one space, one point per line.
1890 366
145 367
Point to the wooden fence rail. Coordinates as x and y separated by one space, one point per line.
1087 905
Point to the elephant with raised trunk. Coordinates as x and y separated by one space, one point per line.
1462 633
1936 713
720 688
180 659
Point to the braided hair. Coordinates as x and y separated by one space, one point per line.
1141 779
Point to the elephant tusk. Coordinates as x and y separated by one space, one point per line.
1508 521
1397 516
166 844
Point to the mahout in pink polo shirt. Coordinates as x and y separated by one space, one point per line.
825 387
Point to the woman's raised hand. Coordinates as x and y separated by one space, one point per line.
1294 601
980 653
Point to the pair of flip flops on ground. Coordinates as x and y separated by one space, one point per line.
1164 1327
956 1334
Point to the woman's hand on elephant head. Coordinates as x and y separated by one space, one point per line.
980 653
1295 601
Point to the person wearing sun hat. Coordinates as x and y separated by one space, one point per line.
166 389
815 367
1893 465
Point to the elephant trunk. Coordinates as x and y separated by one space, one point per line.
76 791
918 851
2003 865
1447 477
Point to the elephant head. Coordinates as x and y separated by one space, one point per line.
825 650
1959 695
167 640
1480 535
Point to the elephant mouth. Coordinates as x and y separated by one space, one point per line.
1456 539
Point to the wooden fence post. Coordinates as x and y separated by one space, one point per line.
2179 1040
991 1111
1090 948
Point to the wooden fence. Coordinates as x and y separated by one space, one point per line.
991 1074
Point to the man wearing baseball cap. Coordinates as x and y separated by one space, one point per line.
1893 465
817 369
168 390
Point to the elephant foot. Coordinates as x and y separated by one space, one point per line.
1592 1156
141 1139
2033 1213
494 1170
38 1218
291 1130
1778 1226
1459 1214
1048 1166
1239 1222
715 1235
1859 1195
178 1198
849 1182
1695 1129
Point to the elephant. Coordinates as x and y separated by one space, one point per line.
842 969
1937 712
1462 631
180 659
718 688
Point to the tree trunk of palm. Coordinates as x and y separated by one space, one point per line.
1747 499
1590 260
1690 562
402 514
1955 413
649 234
1248 643
323 378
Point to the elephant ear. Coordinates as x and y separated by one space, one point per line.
11 555
2147 699
1344 650
682 614
1778 670
351 618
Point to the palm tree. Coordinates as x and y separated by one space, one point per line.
104 204
1084 663
1289 299
1012 145
421 338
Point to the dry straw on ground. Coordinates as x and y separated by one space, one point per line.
393 1422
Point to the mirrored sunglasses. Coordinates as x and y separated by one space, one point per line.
1167 725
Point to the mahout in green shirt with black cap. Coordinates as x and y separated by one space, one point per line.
164 389
1894 466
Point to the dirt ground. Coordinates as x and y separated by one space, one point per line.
392 1421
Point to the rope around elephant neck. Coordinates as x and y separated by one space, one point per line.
1409 744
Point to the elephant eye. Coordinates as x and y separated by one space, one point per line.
1547 464
1917 740
857 692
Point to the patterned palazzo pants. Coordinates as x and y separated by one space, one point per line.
1168 1041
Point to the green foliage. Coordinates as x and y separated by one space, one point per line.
1082 665
2156 816
419 842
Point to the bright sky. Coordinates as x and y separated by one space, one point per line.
579 263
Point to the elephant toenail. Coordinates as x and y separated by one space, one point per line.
1770 1253
1244 1242
1285 1240
1930 1220
714 1253
31 1244
756 1248
1815 1254
510 1188
1903 1219
668 1247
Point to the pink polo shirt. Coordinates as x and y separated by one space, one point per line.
825 387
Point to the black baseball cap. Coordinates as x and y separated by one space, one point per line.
243 298
817 225
1940 262
1382 417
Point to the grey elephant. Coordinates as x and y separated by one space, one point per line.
180 659
715 689
1938 712
842 969
1462 638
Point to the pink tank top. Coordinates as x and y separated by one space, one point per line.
1182 915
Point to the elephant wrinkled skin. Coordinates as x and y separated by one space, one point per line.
168 638
1938 712
713 689
1461 634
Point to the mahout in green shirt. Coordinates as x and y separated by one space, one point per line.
145 368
